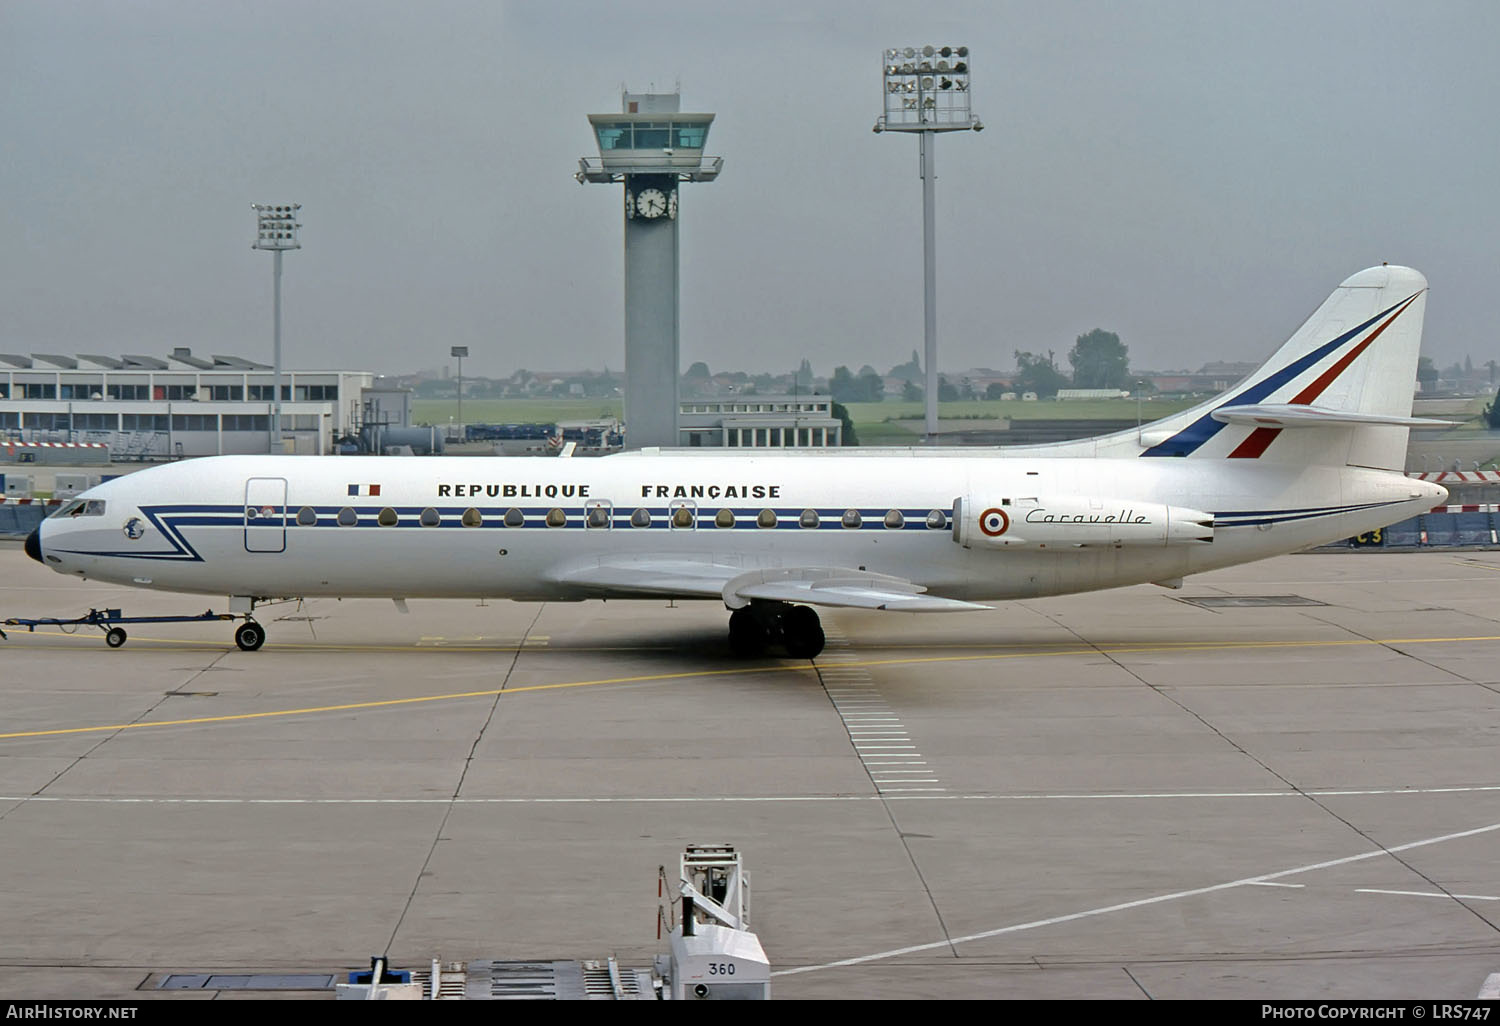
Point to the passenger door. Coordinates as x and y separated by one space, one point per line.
265 514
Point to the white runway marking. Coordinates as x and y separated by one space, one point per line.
1428 894
1141 903
753 799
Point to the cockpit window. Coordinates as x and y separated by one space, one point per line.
82 508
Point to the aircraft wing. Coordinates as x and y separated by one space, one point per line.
651 576
819 586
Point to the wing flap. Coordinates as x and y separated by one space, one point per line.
705 578
854 596
684 577
837 586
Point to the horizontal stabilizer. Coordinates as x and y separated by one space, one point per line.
1289 415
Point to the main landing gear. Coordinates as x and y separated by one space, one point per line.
756 627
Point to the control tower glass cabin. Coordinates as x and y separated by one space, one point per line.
651 147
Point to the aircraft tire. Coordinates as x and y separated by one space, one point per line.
250 636
748 636
115 637
802 632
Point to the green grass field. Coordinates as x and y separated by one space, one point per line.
1015 409
864 415
513 411
888 423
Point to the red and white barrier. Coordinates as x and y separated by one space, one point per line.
56 445
1470 477
28 502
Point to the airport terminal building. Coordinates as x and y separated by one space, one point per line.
760 422
150 408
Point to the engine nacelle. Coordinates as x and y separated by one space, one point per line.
1075 521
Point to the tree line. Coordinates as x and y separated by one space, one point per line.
1098 360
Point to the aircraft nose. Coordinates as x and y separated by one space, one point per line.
34 545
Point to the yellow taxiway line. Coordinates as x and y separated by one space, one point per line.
797 667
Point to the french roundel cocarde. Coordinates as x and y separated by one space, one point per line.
994 522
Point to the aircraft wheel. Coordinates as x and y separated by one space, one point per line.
802 632
115 637
250 636
748 636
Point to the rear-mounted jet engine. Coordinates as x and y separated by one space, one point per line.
1076 521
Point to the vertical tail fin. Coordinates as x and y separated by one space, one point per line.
1347 373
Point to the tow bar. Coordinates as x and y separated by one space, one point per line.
249 636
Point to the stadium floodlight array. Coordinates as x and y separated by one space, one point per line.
926 90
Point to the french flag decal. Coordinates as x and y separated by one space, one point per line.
364 489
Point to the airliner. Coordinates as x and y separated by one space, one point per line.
1308 449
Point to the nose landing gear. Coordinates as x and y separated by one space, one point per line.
758 626
249 636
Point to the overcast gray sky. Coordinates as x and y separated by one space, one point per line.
1195 176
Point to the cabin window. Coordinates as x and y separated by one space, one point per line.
598 515
429 518
307 517
641 518
387 518
724 518
556 517
471 518
851 518
809 518
514 518
937 520
894 520
347 517
767 518
684 515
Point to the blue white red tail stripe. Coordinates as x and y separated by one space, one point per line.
1190 438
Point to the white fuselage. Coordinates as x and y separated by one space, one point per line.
268 526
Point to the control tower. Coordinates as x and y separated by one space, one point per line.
652 147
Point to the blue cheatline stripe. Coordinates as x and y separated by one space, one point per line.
1205 427
1253 518
234 516
170 521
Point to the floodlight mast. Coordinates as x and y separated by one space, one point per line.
276 230
927 91
458 353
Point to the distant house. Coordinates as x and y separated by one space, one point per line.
1217 376
1092 393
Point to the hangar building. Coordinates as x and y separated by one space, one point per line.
150 408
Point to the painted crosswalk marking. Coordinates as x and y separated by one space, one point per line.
884 745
